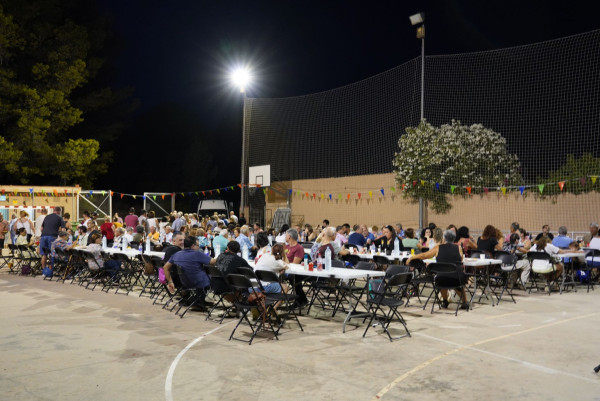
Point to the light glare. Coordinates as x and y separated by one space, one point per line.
241 78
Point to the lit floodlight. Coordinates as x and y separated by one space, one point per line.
417 18
241 78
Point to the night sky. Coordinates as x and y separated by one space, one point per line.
178 54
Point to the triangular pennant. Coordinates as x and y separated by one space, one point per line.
226 189
163 197
452 187
298 193
329 196
370 194
594 180
210 192
103 193
486 190
437 186
290 191
469 189
182 195
231 187
322 196
122 196
403 186
359 194
197 194
218 191
133 196
382 192
111 193
240 185
582 181
541 188
422 183
340 196
203 193
144 197
348 196
522 189
561 185
265 191
503 189
154 196
314 195
306 194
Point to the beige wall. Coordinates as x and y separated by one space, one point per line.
575 212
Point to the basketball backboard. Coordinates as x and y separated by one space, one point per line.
260 175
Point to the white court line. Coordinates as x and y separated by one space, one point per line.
169 380
524 363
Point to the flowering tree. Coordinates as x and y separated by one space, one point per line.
433 162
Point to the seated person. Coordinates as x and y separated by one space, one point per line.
22 240
543 245
82 237
274 262
59 243
410 242
447 252
97 262
129 235
488 241
387 240
191 262
154 236
139 234
228 261
357 238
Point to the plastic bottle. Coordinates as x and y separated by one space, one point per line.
245 252
378 250
104 244
124 244
396 247
252 239
305 261
148 246
373 249
328 259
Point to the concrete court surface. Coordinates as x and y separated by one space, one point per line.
60 341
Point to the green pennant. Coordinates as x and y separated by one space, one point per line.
393 189
154 196
340 196
541 188
452 187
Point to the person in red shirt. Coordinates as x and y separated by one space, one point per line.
294 253
107 231
131 220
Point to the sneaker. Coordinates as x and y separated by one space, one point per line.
445 303
464 306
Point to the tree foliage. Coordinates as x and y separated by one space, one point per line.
575 174
48 63
432 160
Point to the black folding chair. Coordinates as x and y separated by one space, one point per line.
287 301
540 259
384 302
243 287
446 276
589 267
506 270
220 289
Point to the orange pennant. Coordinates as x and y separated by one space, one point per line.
348 196
469 189
561 185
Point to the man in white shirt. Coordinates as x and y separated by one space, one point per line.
233 217
39 221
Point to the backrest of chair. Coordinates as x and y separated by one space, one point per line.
400 279
350 246
437 268
507 259
352 259
185 282
538 256
392 270
247 272
337 263
239 282
417 264
381 260
267 275
307 245
213 271
362 265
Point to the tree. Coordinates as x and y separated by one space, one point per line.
48 63
574 174
433 162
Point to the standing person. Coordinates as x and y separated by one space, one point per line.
242 220
131 220
107 229
86 218
24 222
152 221
143 220
12 228
52 224
3 231
233 217
38 223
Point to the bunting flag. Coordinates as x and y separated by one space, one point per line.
143 197
197 194
203 193
240 185
306 193
133 196
594 180
370 194
403 186
182 195
314 195
503 190
103 193
348 196
486 190
218 191
469 190
437 186
330 197
298 193
122 195
289 192
382 192
422 183
210 192
359 195
322 196
561 185
452 187
340 196
522 189
163 197
393 189
231 187
414 183
265 191
154 196
582 181
112 193
541 188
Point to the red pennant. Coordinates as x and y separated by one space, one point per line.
414 183
203 193
240 185
210 192
306 193
469 189
561 185
359 195
122 196
66 190
314 195
403 186
111 193
486 190
3 191
257 185
173 195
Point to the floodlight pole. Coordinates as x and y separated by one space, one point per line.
243 91
421 203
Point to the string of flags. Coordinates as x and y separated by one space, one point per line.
381 192
454 189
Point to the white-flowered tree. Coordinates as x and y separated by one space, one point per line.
434 162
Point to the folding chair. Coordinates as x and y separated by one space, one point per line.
541 263
242 288
287 300
590 264
507 269
10 260
59 263
445 277
421 276
381 261
387 299
190 295
338 263
220 289
352 259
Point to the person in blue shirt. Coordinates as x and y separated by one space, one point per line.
357 238
191 262
244 240
562 241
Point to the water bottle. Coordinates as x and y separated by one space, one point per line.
373 249
207 251
378 250
124 244
104 245
397 247
328 258
148 246
245 252
217 250
305 261
141 248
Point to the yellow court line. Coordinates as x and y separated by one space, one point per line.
423 365
505 314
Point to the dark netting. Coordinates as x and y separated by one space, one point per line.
543 98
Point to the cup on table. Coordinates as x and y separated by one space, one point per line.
482 256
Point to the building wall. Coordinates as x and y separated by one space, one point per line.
574 211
